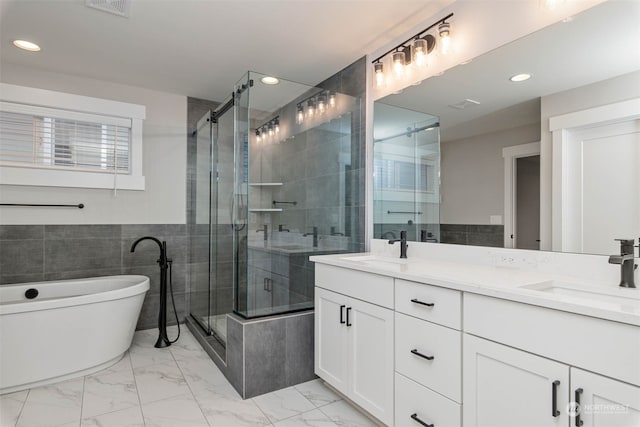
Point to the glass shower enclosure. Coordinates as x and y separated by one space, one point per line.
279 177
406 178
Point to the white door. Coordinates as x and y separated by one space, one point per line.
371 358
331 345
604 402
599 186
505 387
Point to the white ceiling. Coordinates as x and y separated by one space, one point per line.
598 44
201 48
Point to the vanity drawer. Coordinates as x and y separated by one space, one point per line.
443 372
412 399
373 288
444 305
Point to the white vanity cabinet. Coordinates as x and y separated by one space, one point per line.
354 338
605 402
532 384
505 387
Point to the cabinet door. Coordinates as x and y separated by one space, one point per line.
331 348
604 402
504 387
371 358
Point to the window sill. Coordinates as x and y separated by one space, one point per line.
66 178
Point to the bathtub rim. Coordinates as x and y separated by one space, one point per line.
137 284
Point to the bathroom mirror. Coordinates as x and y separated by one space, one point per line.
488 133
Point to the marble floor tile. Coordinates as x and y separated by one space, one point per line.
53 405
146 354
200 373
313 418
223 406
131 417
10 407
187 348
345 415
317 392
123 365
160 381
109 393
176 411
282 404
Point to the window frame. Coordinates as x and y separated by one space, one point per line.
78 106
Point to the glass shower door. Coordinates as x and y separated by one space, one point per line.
200 290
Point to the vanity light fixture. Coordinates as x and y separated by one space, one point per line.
378 69
268 129
520 77
444 30
26 45
311 107
413 50
332 99
300 114
268 80
322 103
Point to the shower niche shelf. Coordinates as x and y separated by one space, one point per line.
266 210
265 184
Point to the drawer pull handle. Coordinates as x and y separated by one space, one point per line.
415 418
417 301
554 399
424 356
342 314
576 399
348 311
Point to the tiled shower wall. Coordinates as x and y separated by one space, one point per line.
30 253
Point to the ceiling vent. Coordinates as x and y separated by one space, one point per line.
464 104
116 7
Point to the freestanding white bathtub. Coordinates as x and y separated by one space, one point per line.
71 328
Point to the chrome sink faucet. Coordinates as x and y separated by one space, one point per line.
403 243
627 263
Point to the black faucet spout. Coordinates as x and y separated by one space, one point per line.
403 243
626 260
315 236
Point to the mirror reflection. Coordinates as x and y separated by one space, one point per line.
551 162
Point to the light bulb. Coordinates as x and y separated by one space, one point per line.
300 114
420 52
445 37
332 99
398 63
311 108
378 68
322 103
270 130
276 126
258 136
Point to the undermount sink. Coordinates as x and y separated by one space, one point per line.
374 260
624 297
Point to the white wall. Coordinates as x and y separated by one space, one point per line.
472 174
164 161
597 94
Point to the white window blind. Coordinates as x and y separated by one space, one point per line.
58 139
46 138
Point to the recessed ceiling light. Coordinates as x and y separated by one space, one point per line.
520 77
269 80
26 45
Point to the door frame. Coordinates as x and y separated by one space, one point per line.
511 155
562 127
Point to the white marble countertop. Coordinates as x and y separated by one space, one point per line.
605 301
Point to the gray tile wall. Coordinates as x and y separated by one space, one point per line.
54 252
475 235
